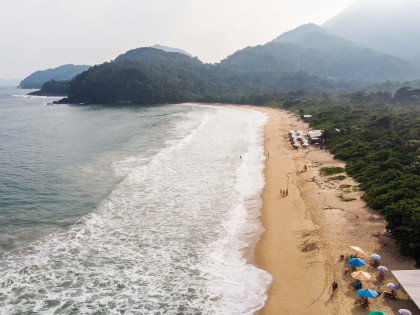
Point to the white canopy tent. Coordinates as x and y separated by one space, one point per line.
410 281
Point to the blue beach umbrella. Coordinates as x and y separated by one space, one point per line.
403 311
377 313
375 256
367 293
392 286
356 262
383 268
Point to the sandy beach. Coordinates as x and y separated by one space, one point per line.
307 231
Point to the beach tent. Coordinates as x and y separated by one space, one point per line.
358 249
357 262
375 256
367 293
315 135
410 281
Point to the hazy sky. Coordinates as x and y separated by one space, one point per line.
42 34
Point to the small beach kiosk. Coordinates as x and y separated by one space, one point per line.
315 136
410 281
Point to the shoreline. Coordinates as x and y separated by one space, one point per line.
307 231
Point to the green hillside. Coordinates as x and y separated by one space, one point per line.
151 76
156 56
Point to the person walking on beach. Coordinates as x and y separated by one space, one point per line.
334 286
287 192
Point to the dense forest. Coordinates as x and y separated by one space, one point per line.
379 138
181 79
53 88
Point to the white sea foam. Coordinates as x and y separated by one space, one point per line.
33 96
171 237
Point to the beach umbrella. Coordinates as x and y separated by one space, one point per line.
377 313
361 275
383 268
403 311
392 286
375 256
367 293
358 249
356 262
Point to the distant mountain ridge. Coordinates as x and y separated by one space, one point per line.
299 33
387 26
62 73
313 49
313 36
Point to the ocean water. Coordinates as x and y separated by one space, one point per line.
135 210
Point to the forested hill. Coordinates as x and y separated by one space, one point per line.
138 82
157 56
311 49
38 78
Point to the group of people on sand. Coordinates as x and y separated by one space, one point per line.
357 284
284 193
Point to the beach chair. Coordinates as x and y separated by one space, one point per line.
392 295
357 285
362 301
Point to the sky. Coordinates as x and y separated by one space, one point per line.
41 34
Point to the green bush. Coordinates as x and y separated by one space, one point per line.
327 171
339 177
